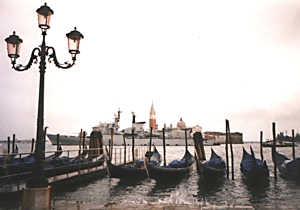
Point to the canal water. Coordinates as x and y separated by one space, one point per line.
193 190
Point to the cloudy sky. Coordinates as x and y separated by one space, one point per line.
204 61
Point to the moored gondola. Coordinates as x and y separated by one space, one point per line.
288 169
173 171
253 169
126 171
213 169
136 171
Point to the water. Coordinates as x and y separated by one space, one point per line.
193 190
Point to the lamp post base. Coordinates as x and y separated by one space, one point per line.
37 178
36 198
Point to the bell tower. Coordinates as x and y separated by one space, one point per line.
152 118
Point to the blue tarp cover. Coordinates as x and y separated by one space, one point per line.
247 162
291 165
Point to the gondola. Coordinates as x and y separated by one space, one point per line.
213 169
253 169
173 171
288 169
136 171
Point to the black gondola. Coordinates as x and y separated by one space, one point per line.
136 171
288 169
253 169
126 171
175 170
213 169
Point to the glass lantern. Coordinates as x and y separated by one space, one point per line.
13 45
74 38
44 16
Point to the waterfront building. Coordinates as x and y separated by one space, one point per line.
236 138
178 132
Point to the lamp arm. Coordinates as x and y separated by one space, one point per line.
53 57
33 58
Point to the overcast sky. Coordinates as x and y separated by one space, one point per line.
204 61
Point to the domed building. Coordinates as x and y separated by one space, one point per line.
181 124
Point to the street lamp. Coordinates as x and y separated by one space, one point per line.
38 179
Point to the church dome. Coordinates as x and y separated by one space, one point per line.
181 124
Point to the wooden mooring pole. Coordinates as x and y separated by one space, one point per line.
274 151
232 158
186 149
8 144
133 124
124 142
199 148
133 160
109 149
83 139
231 150
112 140
79 151
226 151
164 145
202 147
293 139
32 145
150 139
13 144
261 147
57 141
80 140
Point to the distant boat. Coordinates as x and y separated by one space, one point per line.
278 144
253 169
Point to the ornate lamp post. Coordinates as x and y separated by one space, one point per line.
38 179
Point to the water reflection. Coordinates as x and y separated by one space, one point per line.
124 186
209 188
257 191
164 186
